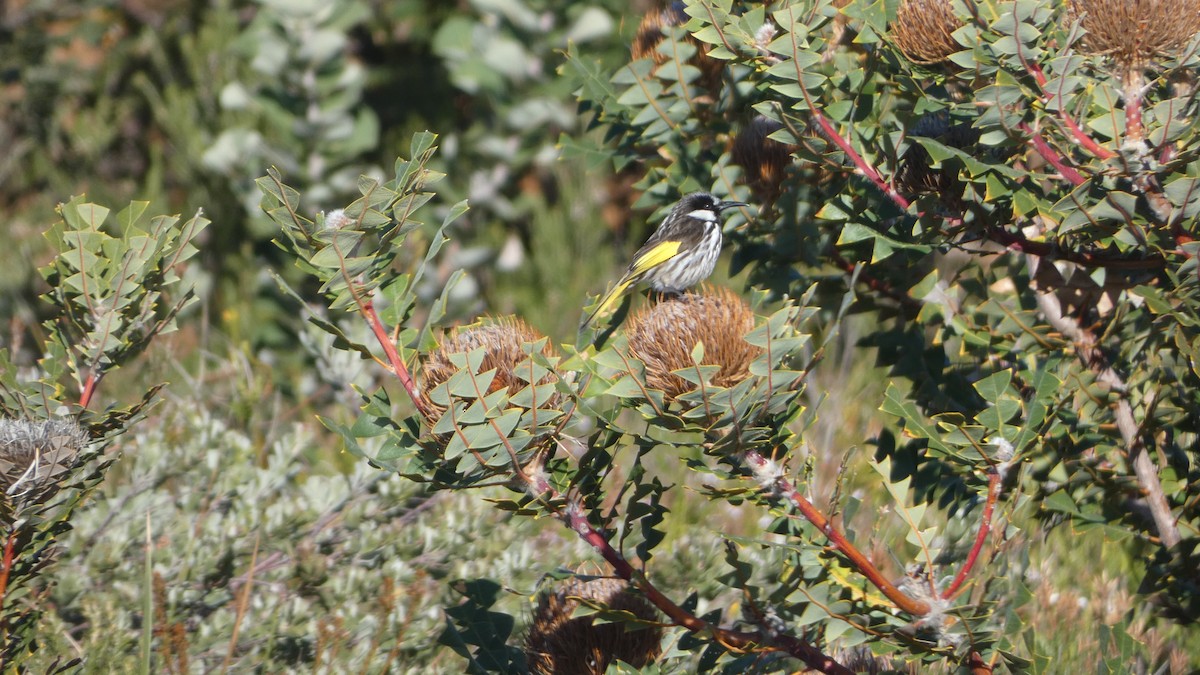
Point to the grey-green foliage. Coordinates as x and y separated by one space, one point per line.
185 105
342 567
115 285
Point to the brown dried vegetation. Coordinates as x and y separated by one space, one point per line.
502 340
663 336
922 30
558 644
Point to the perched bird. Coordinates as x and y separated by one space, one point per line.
681 253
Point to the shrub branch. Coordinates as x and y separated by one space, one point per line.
761 467
985 526
1139 459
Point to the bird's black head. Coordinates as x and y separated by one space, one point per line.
703 206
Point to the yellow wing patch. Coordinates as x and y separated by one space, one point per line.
658 255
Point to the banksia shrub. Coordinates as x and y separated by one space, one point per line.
663 336
501 339
922 30
559 644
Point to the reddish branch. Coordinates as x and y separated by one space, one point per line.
89 389
1044 249
397 363
985 526
731 639
977 665
760 466
864 167
1043 148
1077 132
8 559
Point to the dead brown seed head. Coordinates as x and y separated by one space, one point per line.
34 456
558 644
915 175
663 335
650 35
922 30
764 160
501 338
1135 32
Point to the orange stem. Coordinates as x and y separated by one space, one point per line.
860 562
393 356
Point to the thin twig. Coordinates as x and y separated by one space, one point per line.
9 545
243 603
89 389
1073 127
367 309
1050 155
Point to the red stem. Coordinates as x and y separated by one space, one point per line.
1043 148
860 562
735 640
1077 132
8 557
397 363
861 164
89 389
984 527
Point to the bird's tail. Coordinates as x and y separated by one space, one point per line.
611 297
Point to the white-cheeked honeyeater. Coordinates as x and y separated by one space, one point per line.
681 253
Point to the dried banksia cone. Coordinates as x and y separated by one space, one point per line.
915 176
558 644
663 335
502 340
763 159
650 35
34 456
1135 32
922 30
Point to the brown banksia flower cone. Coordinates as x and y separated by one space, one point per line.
663 335
502 340
558 644
650 35
763 159
914 173
1135 32
35 456
922 30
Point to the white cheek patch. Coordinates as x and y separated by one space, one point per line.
704 214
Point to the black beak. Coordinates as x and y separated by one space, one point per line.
721 206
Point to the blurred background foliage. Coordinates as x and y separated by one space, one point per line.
184 103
